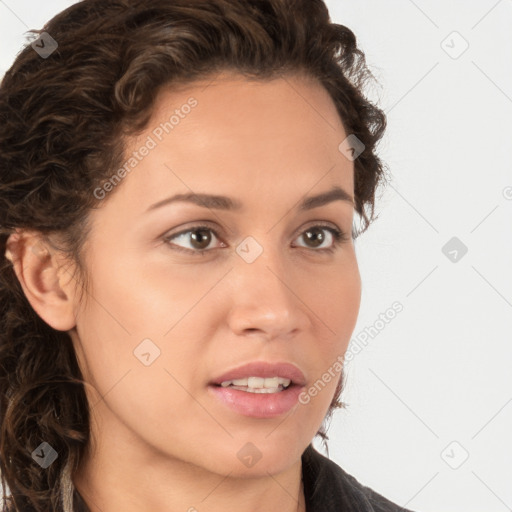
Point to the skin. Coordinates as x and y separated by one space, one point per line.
160 440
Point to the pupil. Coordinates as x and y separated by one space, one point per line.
196 238
319 237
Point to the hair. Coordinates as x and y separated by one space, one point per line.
65 122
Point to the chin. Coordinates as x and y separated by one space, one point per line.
249 458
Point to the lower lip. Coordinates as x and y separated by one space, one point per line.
258 405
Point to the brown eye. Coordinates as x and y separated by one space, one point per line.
199 239
315 237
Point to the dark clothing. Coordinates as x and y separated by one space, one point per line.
327 488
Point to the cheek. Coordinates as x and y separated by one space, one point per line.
145 380
144 299
137 314
334 296
336 306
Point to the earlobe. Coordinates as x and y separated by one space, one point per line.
46 283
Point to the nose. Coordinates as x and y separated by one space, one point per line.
264 298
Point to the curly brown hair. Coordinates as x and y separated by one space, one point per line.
64 123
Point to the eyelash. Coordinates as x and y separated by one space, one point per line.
338 235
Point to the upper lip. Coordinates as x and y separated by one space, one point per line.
263 369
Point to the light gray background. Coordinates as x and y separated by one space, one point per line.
432 386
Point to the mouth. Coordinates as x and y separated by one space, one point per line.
258 384
262 375
259 389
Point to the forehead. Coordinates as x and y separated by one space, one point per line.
231 104
231 134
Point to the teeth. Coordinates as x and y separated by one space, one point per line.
256 390
271 383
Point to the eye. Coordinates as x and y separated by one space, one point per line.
200 237
315 235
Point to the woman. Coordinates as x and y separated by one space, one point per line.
179 184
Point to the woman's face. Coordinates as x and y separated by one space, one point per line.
172 307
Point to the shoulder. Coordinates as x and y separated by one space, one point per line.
327 487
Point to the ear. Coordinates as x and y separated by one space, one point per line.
48 285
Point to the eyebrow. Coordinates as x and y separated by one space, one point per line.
217 202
